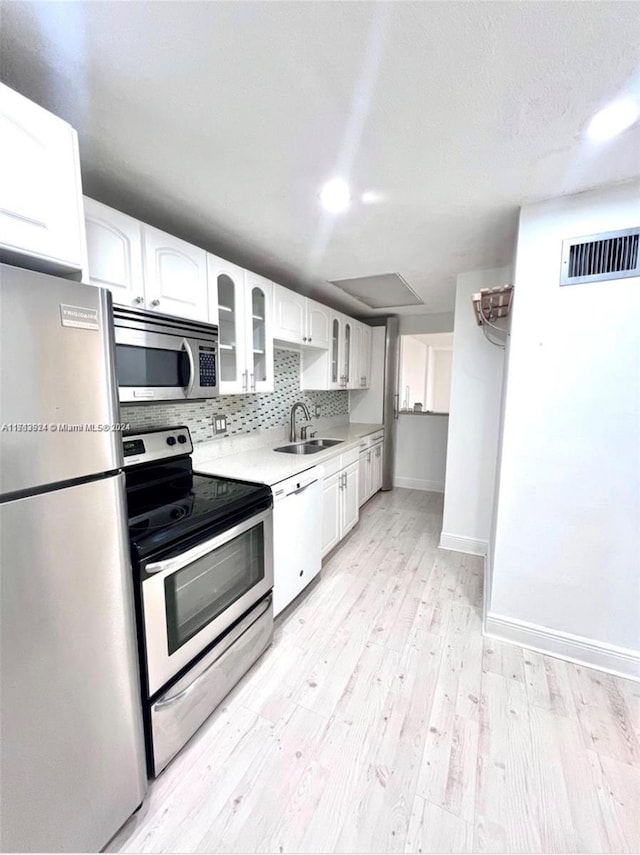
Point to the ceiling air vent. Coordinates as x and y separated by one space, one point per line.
382 291
594 258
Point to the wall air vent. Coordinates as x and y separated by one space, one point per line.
594 258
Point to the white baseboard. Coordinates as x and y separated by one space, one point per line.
460 543
574 648
419 484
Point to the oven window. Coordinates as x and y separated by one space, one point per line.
198 593
150 366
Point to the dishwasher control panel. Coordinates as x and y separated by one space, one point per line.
297 483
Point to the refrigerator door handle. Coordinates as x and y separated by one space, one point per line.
396 405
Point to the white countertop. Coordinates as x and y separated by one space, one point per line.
266 466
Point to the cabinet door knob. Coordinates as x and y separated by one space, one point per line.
155 302
304 338
138 300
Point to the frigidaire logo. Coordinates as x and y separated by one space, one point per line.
79 317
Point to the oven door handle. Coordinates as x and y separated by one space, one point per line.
252 618
170 565
192 367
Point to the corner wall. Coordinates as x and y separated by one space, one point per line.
566 553
474 421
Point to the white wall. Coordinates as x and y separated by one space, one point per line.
365 405
413 372
474 420
436 322
420 452
566 557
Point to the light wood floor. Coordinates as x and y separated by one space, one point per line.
381 721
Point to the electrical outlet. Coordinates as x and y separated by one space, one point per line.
317 411
220 424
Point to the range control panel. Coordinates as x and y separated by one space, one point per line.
155 444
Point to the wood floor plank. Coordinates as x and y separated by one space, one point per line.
604 715
618 788
251 811
506 815
448 771
434 830
380 820
550 798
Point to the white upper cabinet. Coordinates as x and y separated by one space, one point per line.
40 189
355 380
347 363
299 320
226 283
243 311
318 324
114 250
361 356
175 276
259 306
364 372
289 315
335 352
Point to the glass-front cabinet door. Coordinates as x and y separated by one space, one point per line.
259 295
334 367
347 349
227 289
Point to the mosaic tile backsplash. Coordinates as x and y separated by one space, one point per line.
245 413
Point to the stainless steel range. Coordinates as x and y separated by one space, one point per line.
202 553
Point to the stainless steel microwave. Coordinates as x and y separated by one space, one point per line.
163 358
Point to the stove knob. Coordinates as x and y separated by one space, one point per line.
182 438
171 440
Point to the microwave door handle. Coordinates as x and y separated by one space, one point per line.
192 366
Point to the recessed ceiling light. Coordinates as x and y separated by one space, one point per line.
614 119
335 195
370 197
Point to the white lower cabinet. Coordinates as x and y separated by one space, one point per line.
339 504
369 469
364 477
376 467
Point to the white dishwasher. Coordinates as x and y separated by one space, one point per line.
297 535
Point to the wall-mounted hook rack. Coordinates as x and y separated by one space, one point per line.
489 304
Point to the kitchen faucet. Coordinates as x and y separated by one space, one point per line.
307 415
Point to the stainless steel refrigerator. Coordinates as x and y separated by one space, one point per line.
71 744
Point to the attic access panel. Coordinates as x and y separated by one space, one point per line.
384 291
596 258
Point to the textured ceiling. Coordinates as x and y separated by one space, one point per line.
220 121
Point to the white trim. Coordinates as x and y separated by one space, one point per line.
574 648
462 543
419 484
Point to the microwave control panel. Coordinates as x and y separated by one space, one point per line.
207 366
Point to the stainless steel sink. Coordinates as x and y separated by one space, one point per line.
299 448
310 446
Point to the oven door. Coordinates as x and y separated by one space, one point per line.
190 599
152 366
